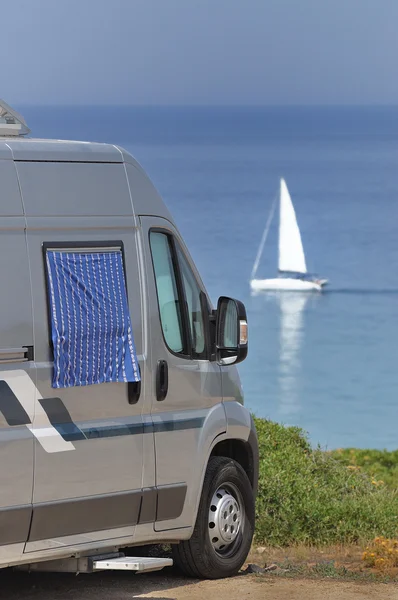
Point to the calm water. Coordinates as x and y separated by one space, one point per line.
328 363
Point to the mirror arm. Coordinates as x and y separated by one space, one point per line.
212 329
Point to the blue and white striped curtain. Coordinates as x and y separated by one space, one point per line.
90 321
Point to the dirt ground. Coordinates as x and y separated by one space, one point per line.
126 586
295 579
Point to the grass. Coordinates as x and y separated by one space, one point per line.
313 497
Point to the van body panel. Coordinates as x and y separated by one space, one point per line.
106 456
146 200
73 189
91 543
64 546
84 515
17 376
231 385
16 439
15 301
5 151
239 421
197 446
127 158
80 225
192 414
11 554
10 197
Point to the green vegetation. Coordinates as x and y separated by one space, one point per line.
315 497
381 465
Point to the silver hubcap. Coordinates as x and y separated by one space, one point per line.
225 518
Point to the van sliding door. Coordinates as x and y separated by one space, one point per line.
17 372
88 487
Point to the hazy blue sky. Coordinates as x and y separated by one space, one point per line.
199 51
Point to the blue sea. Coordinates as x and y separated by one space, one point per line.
325 362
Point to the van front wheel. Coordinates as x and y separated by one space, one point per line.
224 526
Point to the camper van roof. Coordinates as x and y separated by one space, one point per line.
17 148
14 146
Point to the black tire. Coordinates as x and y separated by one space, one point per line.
198 556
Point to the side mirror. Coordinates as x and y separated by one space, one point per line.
231 331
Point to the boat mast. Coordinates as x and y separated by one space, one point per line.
264 237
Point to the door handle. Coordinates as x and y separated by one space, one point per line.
134 390
162 380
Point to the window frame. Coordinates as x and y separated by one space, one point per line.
188 350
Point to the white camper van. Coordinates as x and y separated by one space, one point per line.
121 411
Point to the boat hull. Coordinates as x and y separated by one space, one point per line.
286 284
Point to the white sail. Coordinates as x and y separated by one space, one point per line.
291 252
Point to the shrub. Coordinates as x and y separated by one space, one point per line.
307 496
382 554
380 464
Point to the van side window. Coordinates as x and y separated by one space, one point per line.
179 298
89 314
192 295
166 285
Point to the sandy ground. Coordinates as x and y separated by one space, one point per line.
167 584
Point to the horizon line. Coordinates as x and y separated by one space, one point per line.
220 106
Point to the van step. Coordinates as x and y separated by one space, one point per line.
112 561
132 563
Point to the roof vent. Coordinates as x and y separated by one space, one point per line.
11 123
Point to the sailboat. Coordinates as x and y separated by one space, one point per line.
292 266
